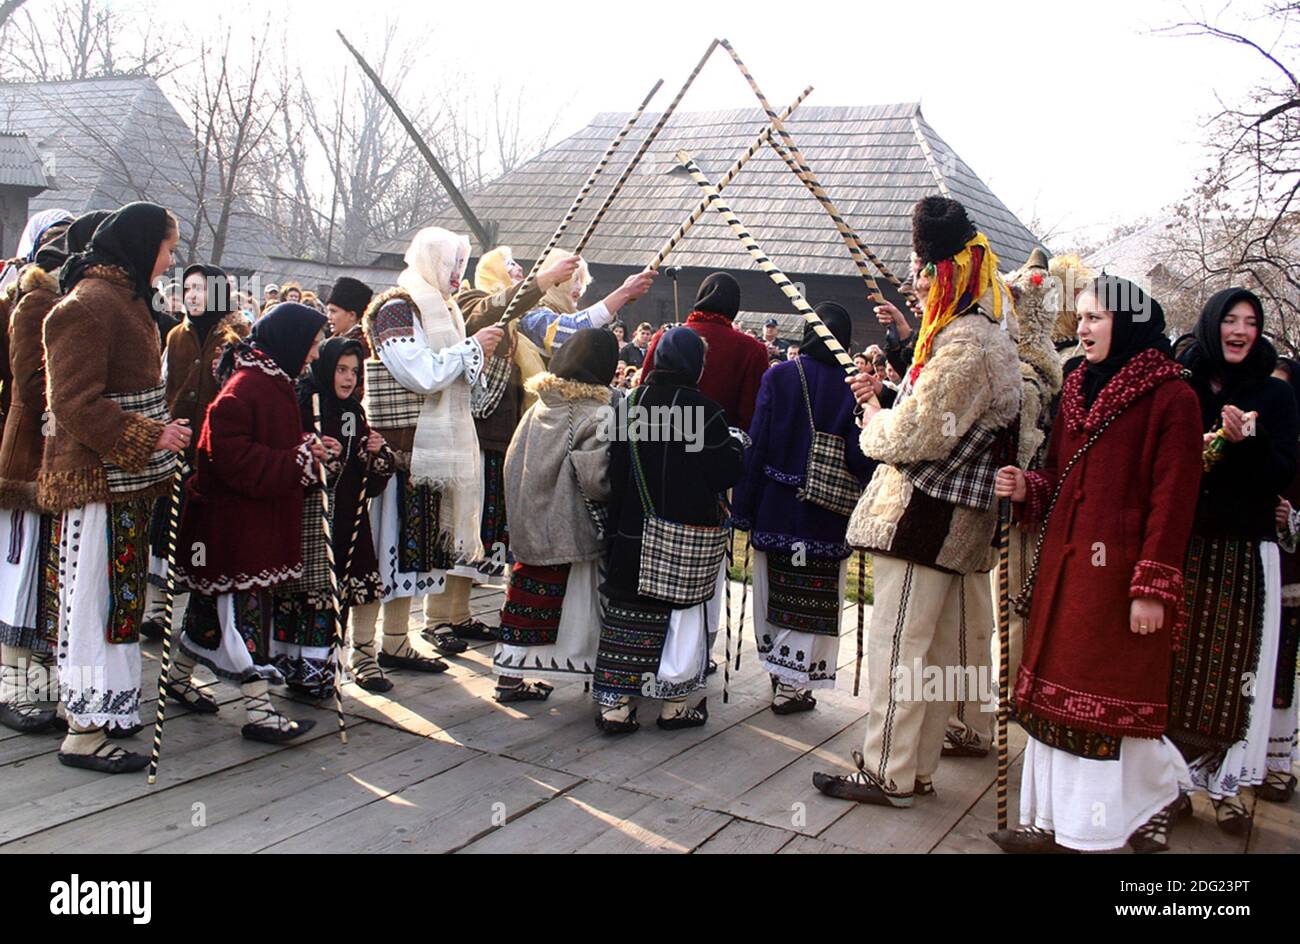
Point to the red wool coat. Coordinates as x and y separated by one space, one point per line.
733 366
244 509
1119 531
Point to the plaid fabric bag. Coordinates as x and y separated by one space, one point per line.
965 476
151 403
827 481
485 396
679 562
599 511
387 403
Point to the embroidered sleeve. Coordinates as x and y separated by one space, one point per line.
1157 581
1038 492
422 370
382 462
395 321
1288 536
306 464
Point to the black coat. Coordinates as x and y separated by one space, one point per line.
1238 496
684 486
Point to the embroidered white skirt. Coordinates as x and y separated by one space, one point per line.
20 541
573 655
1094 805
99 681
683 667
1223 773
386 529
807 660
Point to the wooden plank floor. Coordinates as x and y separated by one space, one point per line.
437 766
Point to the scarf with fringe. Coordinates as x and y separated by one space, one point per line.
445 455
957 284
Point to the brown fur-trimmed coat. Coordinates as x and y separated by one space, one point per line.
20 450
191 367
98 339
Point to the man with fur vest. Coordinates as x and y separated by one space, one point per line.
929 514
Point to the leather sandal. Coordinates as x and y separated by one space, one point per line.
106 759
861 786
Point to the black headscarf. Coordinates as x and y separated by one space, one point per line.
720 294
72 239
128 238
1138 325
219 300
836 317
1202 353
679 358
590 356
319 380
1291 367
285 334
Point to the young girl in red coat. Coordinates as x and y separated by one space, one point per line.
242 528
1124 463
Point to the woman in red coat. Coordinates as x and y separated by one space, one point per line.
241 532
1107 586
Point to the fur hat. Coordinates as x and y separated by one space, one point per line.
351 295
940 228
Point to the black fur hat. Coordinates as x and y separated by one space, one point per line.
940 228
350 295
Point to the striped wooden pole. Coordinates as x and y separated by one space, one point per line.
794 159
726 658
778 277
862 583
700 209
596 171
346 606
328 527
169 598
640 152
1004 655
744 599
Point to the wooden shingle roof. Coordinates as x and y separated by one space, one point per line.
110 141
874 161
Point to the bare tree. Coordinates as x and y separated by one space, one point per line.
232 109
80 39
1242 223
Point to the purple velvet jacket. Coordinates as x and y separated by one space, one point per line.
764 502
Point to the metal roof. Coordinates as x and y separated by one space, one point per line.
20 164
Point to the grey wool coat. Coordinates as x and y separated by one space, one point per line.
549 521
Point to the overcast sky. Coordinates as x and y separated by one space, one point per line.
1075 114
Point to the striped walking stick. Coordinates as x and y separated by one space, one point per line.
794 159
328 527
1004 654
726 660
165 670
778 277
744 598
640 152
862 583
727 178
345 607
573 210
